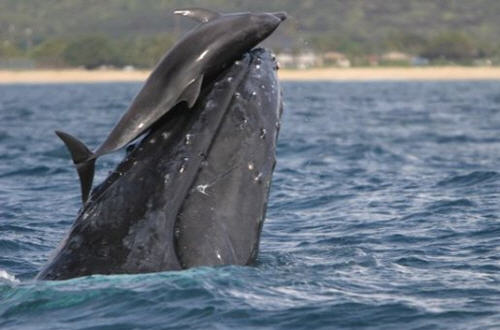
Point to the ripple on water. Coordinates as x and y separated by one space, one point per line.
470 179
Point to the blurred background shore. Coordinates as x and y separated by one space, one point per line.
120 40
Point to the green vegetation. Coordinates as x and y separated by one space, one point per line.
91 33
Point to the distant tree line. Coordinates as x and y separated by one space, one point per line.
442 48
136 32
93 51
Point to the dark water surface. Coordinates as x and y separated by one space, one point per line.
384 213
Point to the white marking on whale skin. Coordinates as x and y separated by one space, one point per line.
210 104
258 177
202 56
244 123
188 139
164 135
202 188
183 166
219 256
141 125
250 166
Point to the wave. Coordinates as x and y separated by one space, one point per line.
444 206
33 171
470 179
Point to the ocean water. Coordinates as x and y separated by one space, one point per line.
384 213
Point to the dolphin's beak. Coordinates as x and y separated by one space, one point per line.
281 15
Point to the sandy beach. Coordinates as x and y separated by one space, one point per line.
322 74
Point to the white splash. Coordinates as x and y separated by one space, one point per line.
6 277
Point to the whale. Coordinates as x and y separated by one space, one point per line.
193 192
217 41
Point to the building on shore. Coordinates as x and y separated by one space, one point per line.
395 58
285 60
304 60
336 59
307 60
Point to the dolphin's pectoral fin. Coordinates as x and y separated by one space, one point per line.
192 91
198 14
84 161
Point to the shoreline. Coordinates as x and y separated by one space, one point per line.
452 73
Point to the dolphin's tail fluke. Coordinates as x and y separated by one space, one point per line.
84 160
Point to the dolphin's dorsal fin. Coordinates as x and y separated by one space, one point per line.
192 91
198 14
84 161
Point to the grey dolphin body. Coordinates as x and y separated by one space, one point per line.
200 55
193 192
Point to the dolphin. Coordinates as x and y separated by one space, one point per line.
193 192
200 55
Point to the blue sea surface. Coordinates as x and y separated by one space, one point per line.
384 213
